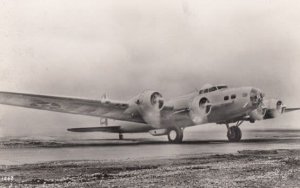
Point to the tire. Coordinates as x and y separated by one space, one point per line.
175 135
234 134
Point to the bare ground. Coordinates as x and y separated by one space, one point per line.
247 168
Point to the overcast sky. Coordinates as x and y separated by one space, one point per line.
85 48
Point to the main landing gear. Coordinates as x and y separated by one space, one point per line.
175 135
121 136
234 133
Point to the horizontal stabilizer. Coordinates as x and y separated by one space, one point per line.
111 129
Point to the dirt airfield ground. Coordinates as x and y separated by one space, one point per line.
246 168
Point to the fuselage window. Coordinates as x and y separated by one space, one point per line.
226 98
245 94
233 96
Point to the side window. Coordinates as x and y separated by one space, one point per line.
206 91
226 98
233 96
201 92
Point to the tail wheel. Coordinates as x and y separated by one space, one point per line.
175 135
234 134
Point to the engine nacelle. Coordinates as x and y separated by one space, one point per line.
150 100
274 108
149 104
200 108
257 114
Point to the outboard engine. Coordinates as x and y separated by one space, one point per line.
149 104
274 108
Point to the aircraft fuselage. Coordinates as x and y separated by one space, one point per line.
223 106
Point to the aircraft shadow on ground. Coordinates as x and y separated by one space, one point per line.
132 142
255 140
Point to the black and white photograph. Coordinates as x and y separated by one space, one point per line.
143 93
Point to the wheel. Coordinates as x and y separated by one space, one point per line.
234 134
120 136
175 135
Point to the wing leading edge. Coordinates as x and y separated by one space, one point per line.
291 109
97 108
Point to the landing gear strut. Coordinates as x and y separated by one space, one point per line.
175 135
234 133
120 136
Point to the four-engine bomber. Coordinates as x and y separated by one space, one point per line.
150 112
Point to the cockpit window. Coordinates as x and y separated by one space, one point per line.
222 87
212 89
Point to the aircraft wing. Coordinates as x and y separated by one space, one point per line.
97 108
291 109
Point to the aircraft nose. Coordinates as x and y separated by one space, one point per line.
256 96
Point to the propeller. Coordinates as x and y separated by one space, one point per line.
256 97
257 100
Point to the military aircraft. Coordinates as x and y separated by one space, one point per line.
149 112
